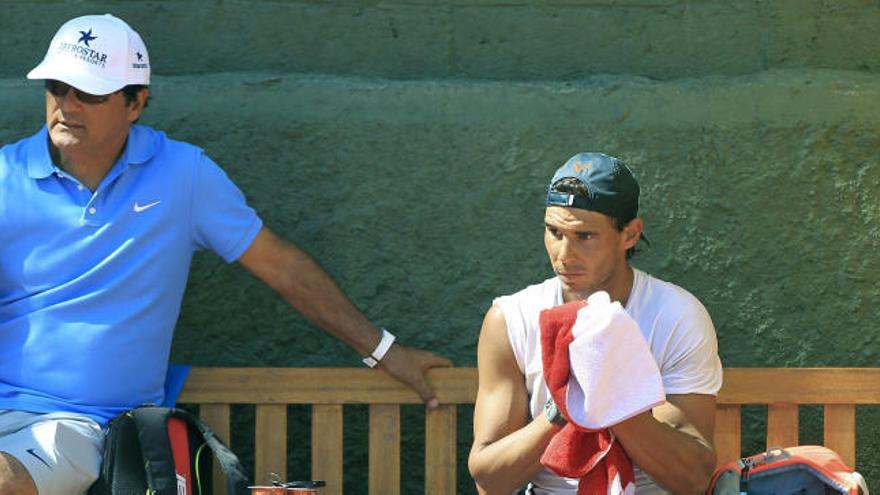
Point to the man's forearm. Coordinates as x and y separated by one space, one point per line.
309 289
303 284
679 461
510 462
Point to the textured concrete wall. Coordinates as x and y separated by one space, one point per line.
481 39
407 146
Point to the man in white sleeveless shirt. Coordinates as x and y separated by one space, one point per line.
590 232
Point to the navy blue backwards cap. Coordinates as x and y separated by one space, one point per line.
611 188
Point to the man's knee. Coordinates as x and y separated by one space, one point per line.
14 478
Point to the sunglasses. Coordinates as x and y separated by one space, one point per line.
60 89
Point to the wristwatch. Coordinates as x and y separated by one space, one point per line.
552 413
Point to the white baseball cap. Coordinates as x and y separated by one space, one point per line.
98 54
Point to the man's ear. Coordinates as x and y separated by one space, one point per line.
632 232
136 107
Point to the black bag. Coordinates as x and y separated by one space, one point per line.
164 451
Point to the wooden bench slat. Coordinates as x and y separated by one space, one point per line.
459 386
309 386
728 433
800 386
270 442
384 449
217 416
440 447
327 447
782 425
840 431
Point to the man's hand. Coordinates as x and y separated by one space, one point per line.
409 365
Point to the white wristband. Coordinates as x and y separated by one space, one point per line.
373 359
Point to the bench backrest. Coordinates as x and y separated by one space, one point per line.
839 390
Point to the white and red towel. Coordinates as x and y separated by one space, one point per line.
599 371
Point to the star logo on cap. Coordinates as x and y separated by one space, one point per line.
140 56
86 37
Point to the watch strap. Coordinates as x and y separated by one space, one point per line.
381 349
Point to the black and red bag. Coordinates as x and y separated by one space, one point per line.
164 451
806 470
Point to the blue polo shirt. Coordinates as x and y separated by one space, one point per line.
91 283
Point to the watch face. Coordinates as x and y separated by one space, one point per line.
552 413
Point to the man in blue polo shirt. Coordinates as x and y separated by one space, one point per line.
99 218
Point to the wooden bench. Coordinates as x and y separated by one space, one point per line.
271 390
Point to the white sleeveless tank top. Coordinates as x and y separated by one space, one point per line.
675 324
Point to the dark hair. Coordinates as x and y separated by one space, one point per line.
572 185
131 91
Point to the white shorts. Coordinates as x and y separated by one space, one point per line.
61 451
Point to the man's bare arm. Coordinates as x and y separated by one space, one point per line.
307 287
674 444
507 446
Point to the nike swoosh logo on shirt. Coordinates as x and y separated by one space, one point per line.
33 453
138 208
